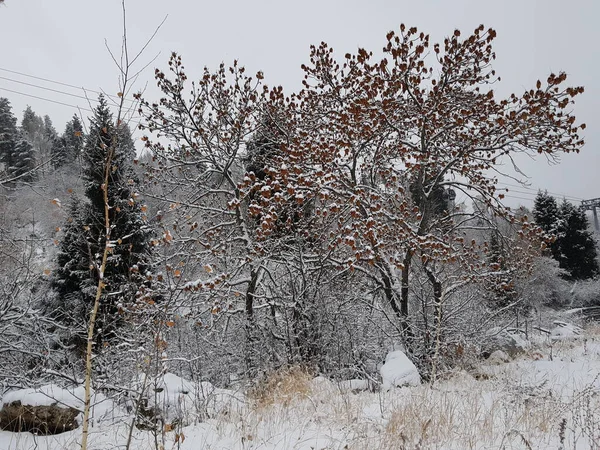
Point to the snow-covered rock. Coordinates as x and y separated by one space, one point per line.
564 330
398 371
501 339
51 409
498 357
40 419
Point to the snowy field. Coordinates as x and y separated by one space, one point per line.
544 399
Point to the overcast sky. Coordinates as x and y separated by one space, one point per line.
64 41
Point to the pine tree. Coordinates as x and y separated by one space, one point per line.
546 215
8 136
68 148
73 280
58 152
574 247
501 290
49 137
32 125
74 138
545 212
23 159
40 133
49 131
577 251
80 250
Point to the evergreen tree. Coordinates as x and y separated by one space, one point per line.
574 247
8 136
546 215
74 137
577 251
73 282
58 152
49 131
32 125
40 133
23 159
68 148
502 289
81 251
545 212
49 137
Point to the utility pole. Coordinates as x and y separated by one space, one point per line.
592 205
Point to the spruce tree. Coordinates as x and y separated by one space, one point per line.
68 148
40 133
49 137
546 215
73 280
32 125
8 136
502 284
577 251
128 260
23 159
74 138
545 212
49 131
58 152
574 247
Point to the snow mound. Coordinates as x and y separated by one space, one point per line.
181 400
354 385
498 357
102 409
508 341
564 330
398 371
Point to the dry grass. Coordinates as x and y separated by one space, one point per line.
429 418
281 387
593 329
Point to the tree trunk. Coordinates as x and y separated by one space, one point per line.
399 306
252 352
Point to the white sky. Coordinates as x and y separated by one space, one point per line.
63 40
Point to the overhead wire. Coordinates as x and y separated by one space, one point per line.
535 194
49 89
115 97
537 190
517 197
77 107
45 99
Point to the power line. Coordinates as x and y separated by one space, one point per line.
46 99
517 197
116 99
535 195
63 84
56 91
50 89
58 102
536 190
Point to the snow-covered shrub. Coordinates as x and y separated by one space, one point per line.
398 371
546 285
586 294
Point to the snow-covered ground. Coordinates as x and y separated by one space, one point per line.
547 398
